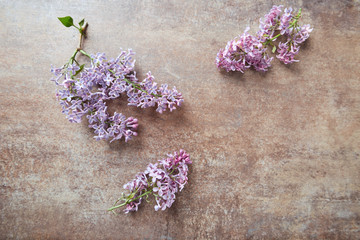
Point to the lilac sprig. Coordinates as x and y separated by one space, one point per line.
248 51
86 90
162 180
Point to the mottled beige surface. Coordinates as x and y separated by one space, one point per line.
276 155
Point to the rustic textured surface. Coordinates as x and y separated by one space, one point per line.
275 155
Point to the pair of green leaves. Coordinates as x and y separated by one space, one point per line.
69 22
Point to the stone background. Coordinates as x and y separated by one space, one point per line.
275 155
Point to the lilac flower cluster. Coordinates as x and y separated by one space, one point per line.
163 180
85 91
247 50
242 53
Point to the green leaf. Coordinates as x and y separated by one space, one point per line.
81 23
66 21
81 68
274 49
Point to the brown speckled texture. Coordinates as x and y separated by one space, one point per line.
276 155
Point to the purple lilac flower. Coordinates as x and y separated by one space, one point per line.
285 21
248 51
302 34
86 91
163 180
288 50
243 52
268 23
287 55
